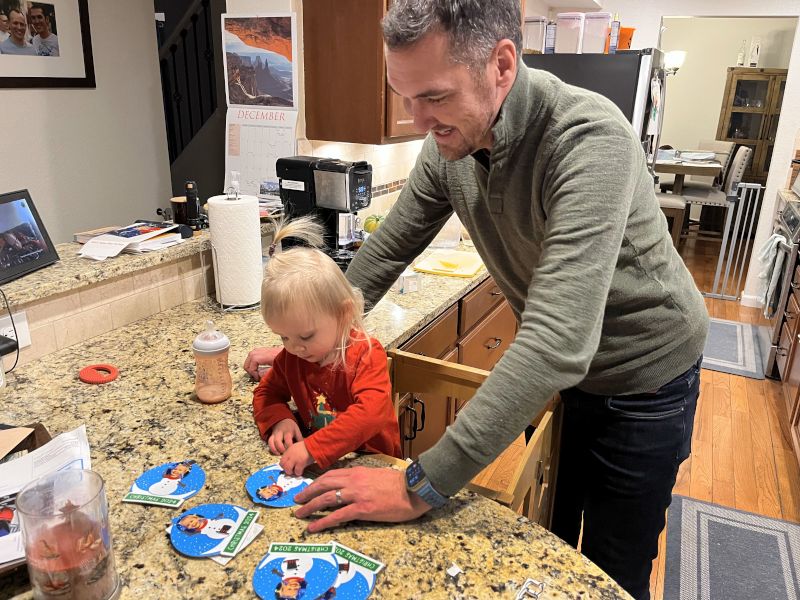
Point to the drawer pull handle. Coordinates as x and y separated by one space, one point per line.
422 412
789 316
413 424
496 293
795 286
497 342
781 351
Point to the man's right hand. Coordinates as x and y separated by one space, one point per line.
259 357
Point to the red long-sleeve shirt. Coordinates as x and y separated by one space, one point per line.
347 409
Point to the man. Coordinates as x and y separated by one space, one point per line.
552 184
16 43
3 27
45 42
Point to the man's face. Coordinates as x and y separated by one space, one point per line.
444 97
16 26
191 522
181 470
289 588
4 23
39 21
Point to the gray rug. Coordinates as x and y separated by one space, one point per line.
737 348
718 553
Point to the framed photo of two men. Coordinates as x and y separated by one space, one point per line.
45 44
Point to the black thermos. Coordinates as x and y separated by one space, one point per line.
192 206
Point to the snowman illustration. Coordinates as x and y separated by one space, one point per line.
171 479
278 487
217 528
292 585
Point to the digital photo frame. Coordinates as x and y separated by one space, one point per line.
24 243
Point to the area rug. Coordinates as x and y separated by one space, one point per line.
718 553
736 348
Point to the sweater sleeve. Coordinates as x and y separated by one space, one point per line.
587 195
420 212
370 412
271 397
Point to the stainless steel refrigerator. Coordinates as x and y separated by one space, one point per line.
629 78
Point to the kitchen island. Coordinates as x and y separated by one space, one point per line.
149 416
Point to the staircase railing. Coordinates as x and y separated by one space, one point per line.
188 80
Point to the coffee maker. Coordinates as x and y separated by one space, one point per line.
333 191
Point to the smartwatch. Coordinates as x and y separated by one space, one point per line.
417 482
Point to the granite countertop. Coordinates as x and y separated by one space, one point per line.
148 416
73 272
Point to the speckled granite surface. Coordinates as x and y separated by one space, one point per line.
148 416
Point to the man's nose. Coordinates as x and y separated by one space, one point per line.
418 109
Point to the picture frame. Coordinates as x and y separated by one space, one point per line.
25 245
55 50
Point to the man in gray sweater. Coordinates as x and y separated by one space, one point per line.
552 184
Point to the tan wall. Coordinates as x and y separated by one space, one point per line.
694 94
93 157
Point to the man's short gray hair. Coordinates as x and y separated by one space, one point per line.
473 26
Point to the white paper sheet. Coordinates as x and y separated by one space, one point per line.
69 450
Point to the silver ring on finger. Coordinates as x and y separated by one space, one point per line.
339 500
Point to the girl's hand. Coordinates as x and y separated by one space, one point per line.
284 434
296 459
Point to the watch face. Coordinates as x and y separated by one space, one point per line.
414 474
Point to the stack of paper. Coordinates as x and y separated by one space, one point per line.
131 238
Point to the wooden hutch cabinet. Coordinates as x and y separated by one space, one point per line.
347 98
751 107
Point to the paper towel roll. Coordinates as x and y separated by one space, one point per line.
236 239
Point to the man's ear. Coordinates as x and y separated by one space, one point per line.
505 60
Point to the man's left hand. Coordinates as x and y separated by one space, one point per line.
364 493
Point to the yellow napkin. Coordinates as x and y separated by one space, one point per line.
452 263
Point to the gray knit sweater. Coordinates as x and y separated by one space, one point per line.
567 222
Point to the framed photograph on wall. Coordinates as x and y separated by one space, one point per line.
45 44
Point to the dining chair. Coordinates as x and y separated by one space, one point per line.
720 198
674 208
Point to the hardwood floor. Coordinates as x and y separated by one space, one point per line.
742 454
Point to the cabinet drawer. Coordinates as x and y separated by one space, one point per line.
784 348
478 303
437 338
796 285
484 346
791 314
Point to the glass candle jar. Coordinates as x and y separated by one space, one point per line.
64 521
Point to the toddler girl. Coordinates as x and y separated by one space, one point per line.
336 374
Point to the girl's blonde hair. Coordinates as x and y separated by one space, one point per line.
306 279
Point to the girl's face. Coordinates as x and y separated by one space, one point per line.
314 339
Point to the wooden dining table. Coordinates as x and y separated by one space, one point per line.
683 168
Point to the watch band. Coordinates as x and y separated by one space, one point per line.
418 483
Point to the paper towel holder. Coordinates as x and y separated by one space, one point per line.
223 308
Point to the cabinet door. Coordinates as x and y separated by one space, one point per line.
399 122
424 417
745 108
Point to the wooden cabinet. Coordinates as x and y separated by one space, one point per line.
347 98
751 106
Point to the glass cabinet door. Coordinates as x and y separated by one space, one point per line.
744 126
751 91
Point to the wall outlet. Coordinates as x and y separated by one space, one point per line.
23 336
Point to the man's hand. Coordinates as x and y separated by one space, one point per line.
284 434
259 356
296 459
364 493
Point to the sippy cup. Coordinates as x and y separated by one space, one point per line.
212 382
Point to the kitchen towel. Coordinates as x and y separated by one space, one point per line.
236 249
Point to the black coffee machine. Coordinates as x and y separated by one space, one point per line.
332 190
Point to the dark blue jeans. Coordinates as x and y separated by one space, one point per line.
618 463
